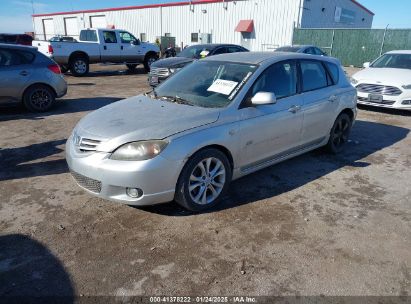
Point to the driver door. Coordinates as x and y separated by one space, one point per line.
271 131
131 50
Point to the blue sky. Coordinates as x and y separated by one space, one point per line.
15 15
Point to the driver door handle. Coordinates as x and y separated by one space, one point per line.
294 109
24 73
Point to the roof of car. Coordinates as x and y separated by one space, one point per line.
400 52
213 45
259 57
18 46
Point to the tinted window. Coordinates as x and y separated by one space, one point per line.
396 61
314 75
310 51
220 50
280 79
194 52
88 35
109 37
334 71
234 49
10 57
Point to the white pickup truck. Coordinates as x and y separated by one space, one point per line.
99 45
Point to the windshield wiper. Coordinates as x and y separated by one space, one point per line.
177 99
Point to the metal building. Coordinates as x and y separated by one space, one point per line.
256 24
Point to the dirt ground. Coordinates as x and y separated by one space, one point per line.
314 225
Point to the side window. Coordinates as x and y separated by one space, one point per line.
109 37
88 35
126 37
234 49
317 51
280 79
220 50
314 75
10 57
334 71
310 51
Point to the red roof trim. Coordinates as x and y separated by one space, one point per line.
159 5
363 7
194 2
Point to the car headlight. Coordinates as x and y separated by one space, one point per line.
407 87
353 81
139 150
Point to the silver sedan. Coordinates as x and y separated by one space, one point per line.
217 120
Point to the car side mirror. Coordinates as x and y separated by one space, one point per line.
263 98
366 65
135 42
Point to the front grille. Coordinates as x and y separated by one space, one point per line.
88 145
86 182
160 72
378 89
384 102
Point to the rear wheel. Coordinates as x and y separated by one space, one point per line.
339 133
149 60
204 180
79 66
39 98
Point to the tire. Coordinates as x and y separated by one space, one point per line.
339 134
64 68
201 196
149 60
39 98
131 67
79 66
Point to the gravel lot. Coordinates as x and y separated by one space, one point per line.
314 225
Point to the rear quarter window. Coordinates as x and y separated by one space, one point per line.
88 35
334 71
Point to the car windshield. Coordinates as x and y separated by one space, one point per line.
210 84
292 49
396 61
195 52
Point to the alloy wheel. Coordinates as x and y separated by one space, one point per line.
80 66
40 99
207 181
341 132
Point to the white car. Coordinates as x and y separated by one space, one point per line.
386 82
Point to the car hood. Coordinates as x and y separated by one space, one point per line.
142 118
396 77
170 62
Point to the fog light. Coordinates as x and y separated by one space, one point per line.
406 102
134 192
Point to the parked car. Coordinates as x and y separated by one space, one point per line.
305 49
22 39
99 45
216 120
163 69
386 82
29 77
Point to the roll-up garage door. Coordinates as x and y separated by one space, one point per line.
48 27
71 26
98 21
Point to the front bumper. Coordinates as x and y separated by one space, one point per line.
388 101
109 179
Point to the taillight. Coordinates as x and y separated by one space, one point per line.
55 68
51 51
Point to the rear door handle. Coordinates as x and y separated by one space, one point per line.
121 47
332 98
294 109
105 47
24 73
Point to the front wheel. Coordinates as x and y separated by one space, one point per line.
204 180
339 133
39 98
149 60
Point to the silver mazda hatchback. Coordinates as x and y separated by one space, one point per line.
216 120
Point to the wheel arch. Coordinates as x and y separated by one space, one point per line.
78 54
220 148
349 112
38 83
150 53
